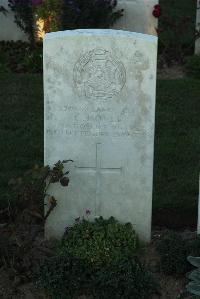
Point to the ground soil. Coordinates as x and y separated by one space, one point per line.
170 287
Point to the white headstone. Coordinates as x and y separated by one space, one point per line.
197 44
137 16
99 89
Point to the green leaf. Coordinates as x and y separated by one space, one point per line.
195 261
193 288
194 275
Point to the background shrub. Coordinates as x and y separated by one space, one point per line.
89 14
24 18
63 14
50 12
20 57
176 30
101 241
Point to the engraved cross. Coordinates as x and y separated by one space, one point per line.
98 170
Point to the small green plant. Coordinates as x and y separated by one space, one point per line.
192 66
193 286
101 241
97 259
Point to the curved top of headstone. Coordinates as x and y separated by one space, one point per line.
101 32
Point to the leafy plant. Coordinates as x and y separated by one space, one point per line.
193 286
64 276
97 259
100 242
50 11
176 31
125 279
192 66
20 57
63 14
18 250
31 189
89 14
76 14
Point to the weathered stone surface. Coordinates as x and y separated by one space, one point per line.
99 88
138 16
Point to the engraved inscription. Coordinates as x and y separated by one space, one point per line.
99 75
95 122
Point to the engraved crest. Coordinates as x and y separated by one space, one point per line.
99 75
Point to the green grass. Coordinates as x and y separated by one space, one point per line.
177 143
21 127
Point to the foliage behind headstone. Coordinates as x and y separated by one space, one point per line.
24 18
63 14
176 30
